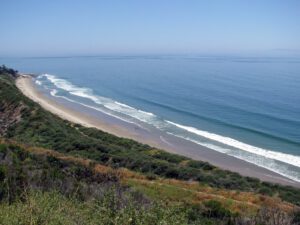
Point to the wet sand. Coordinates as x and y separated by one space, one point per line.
92 118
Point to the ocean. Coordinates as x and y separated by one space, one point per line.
245 107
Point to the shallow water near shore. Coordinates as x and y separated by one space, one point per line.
247 108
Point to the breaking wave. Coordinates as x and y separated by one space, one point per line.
283 157
281 163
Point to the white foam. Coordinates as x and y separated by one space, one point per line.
38 82
148 113
98 109
53 92
72 89
130 111
282 157
124 105
110 104
263 162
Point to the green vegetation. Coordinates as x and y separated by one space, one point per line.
8 71
53 208
44 189
40 186
41 189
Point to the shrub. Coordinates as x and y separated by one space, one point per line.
265 191
216 210
3 148
296 219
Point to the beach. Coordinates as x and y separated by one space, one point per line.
104 122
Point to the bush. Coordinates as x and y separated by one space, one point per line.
52 208
151 176
216 210
265 191
3 148
296 219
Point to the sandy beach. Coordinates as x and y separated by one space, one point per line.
169 143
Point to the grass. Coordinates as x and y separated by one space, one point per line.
52 208
98 194
168 190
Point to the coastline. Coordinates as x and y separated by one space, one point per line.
168 143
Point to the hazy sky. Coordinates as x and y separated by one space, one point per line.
91 27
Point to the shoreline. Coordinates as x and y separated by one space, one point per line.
169 143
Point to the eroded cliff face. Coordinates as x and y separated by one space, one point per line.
10 114
10 109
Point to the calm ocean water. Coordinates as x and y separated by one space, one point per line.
248 108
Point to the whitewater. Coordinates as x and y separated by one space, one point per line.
279 162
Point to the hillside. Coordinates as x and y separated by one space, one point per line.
35 180
88 170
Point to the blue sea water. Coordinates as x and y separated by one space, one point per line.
246 107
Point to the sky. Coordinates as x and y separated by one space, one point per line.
96 27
